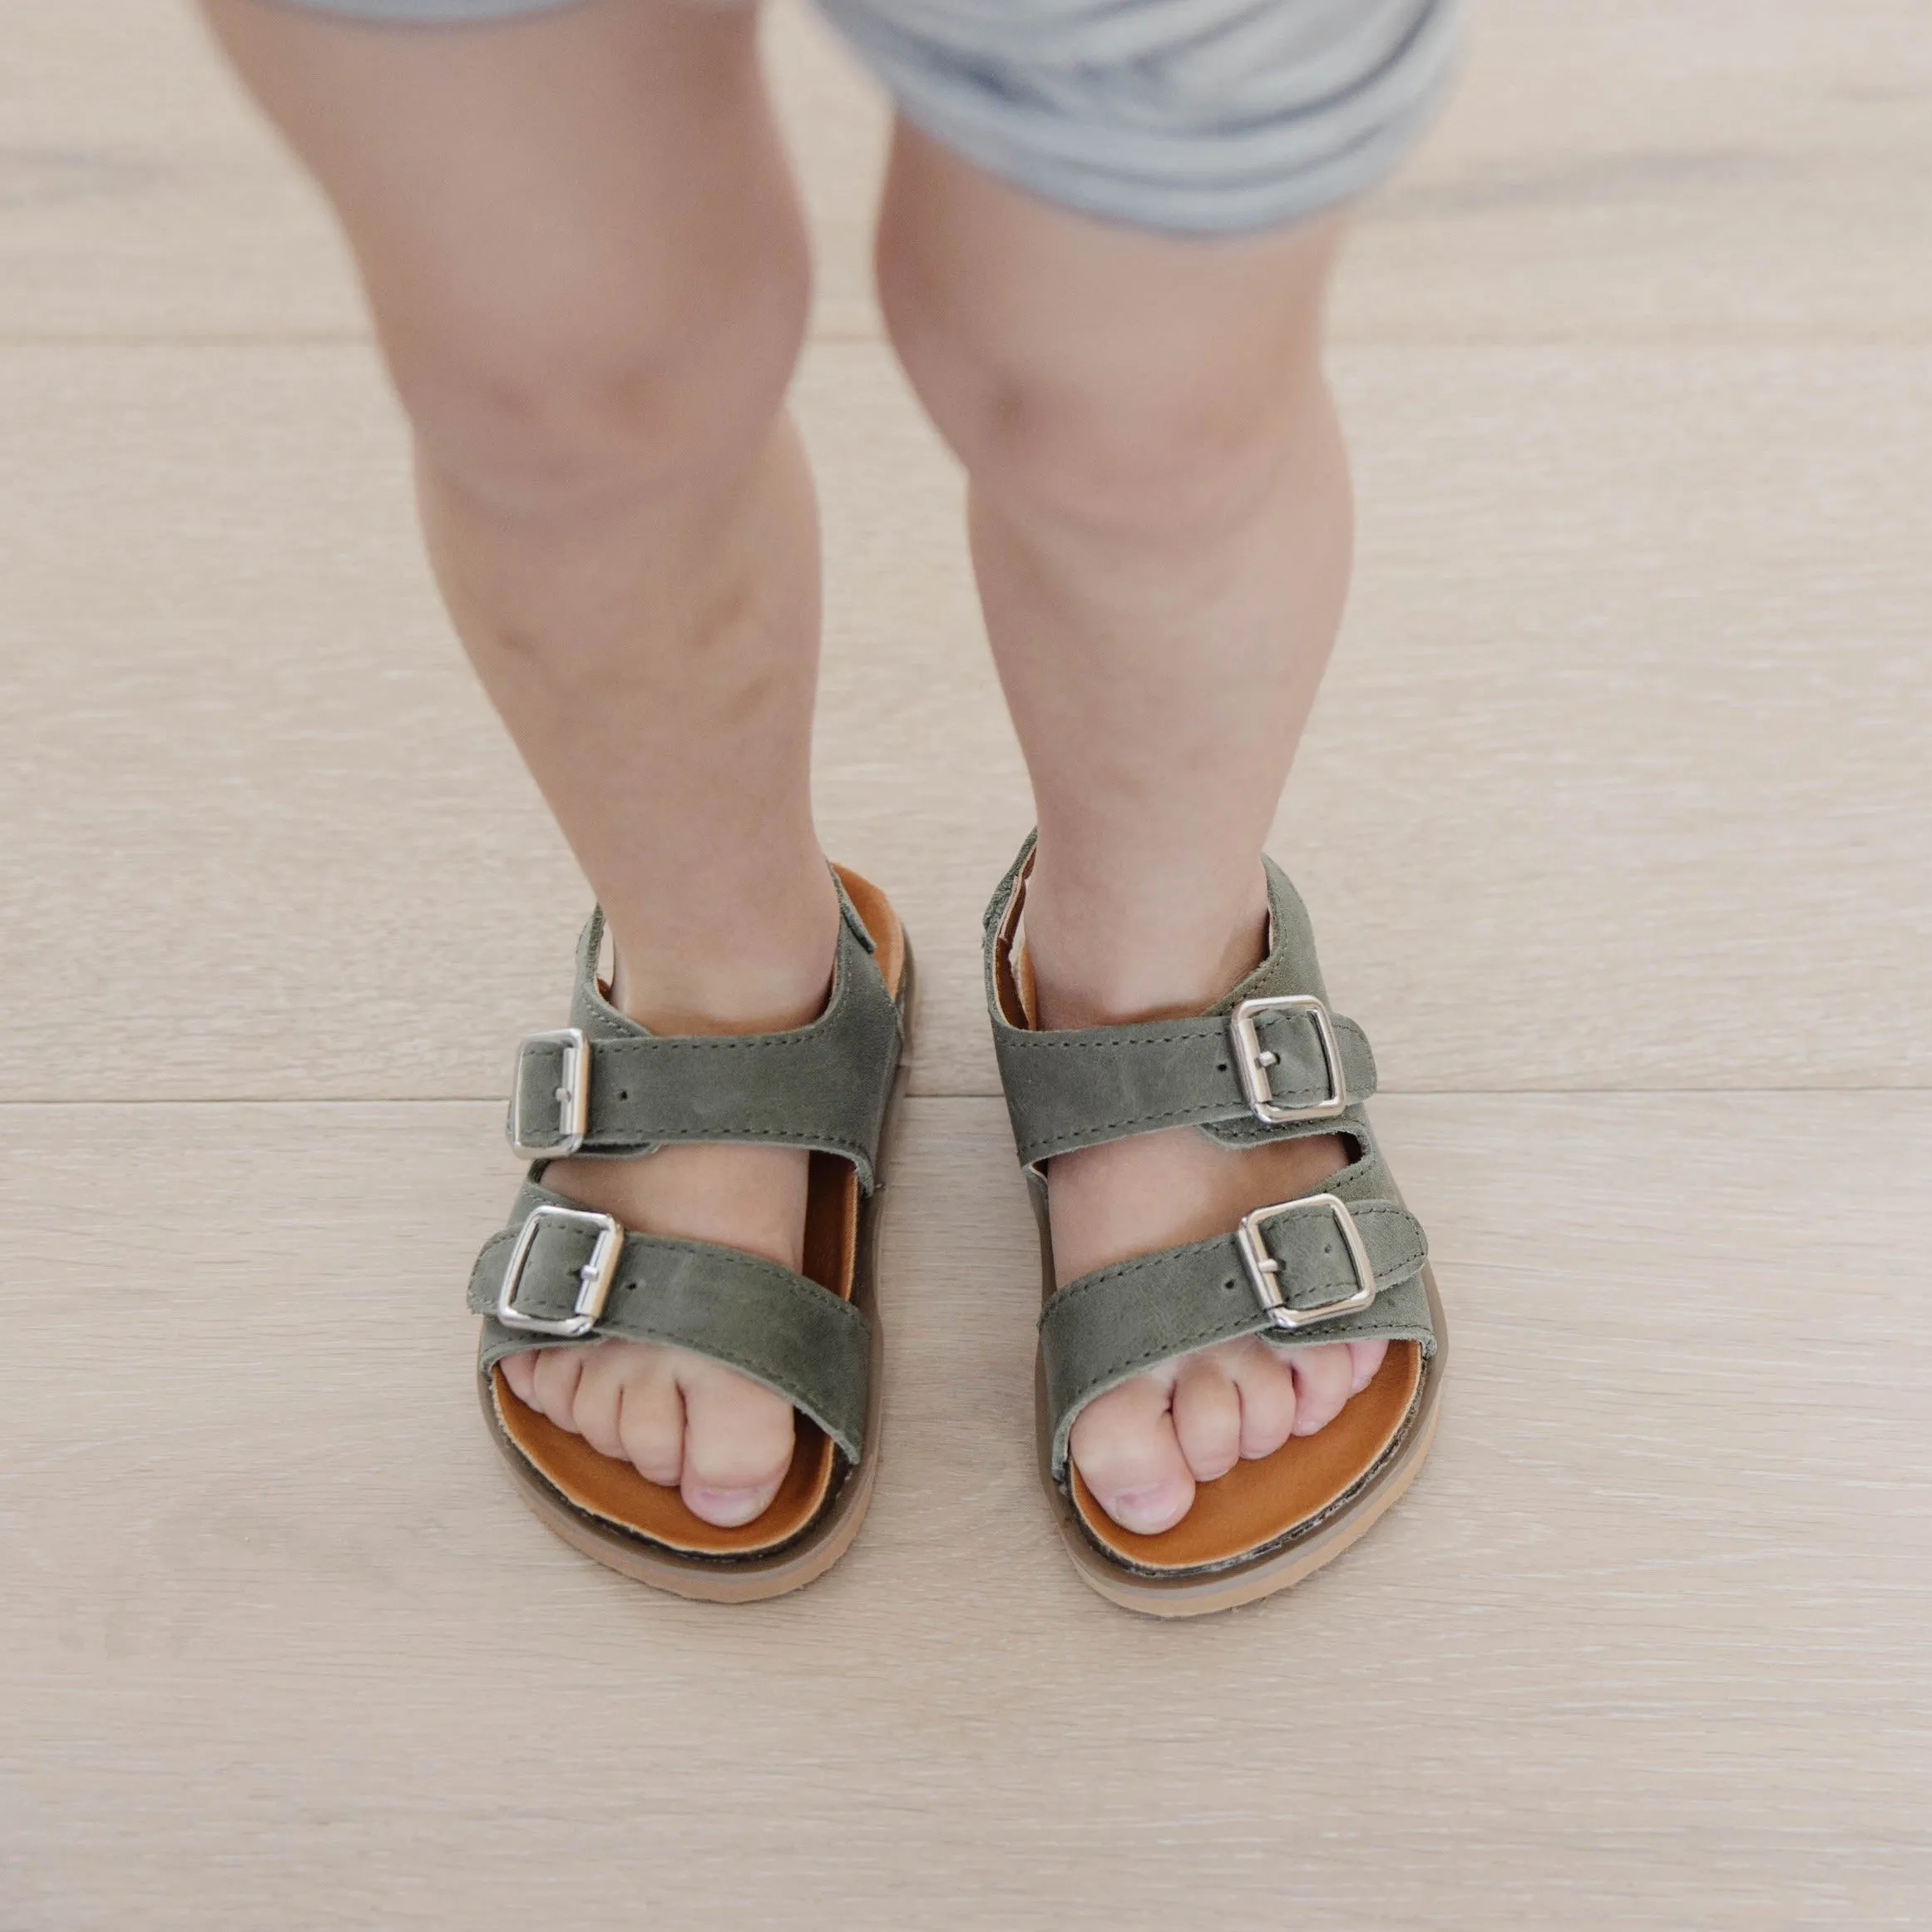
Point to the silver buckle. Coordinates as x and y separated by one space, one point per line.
594 1277
1251 1060
1264 1271
572 1096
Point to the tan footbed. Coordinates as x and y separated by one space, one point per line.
1257 1505
613 1490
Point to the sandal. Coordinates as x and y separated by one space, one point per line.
1348 1263
561 1275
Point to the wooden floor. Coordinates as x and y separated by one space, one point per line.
1616 818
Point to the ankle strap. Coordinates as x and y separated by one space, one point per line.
1267 1062
605 1085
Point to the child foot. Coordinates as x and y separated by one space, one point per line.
1142 1447
722 1440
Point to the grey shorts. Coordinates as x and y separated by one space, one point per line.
1192 116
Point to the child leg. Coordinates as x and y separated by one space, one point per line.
1161 526
588 271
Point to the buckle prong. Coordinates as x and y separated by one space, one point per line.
1264 1271
594 1277
1252 1059
572 1095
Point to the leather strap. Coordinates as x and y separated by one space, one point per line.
1109 1326
1085 1087
824 1085
774 1325
1079 1089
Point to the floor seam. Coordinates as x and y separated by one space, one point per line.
1386 1093
847 339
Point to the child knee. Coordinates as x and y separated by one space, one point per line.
1123 438
562 412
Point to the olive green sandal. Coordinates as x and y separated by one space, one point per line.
561 1275
1346 1263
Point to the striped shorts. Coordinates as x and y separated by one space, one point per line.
1189 116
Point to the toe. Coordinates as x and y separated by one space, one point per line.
520 1373
650 1422
1366 1356
737 1443
1264 1376
554 1382
1125 1446
1207 1412
600 1392
1321 1381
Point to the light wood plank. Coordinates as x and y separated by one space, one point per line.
140 195
1618 779
1656 172
1645 1647
1603 171
837 125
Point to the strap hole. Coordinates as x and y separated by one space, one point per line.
624 1093
1220 1066
1229 1283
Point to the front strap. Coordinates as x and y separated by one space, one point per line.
824 1085
798 1338
1107 1327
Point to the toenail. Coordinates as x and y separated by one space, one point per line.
1144 1511
729 1508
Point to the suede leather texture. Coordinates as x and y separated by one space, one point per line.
1086 1087
823 1086
1109 1326
774 1325
1072 1088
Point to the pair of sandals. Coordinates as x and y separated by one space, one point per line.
1269 1062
